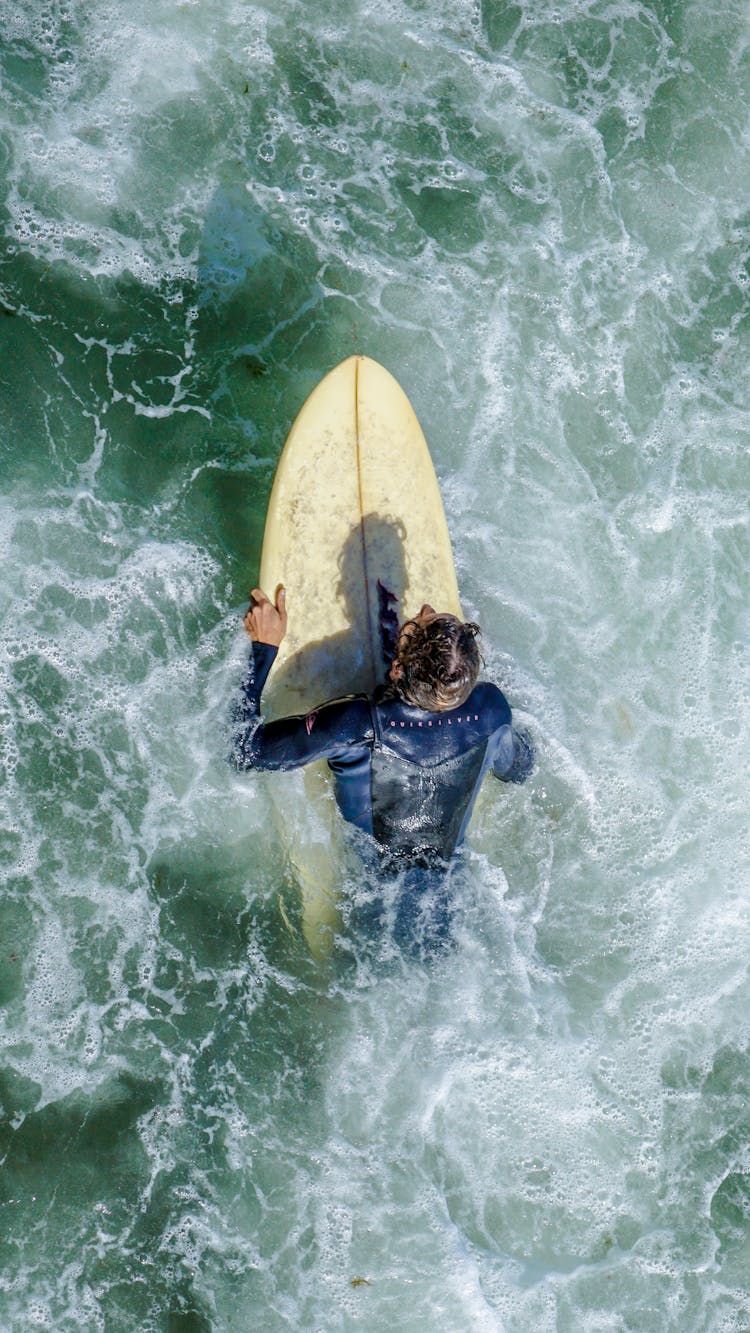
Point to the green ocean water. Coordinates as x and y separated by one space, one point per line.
536 216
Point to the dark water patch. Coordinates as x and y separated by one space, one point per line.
730 1211
203 909
19 1095
451 217
500 22
17 927
187 1319
41 681
60 1149
58 605
25 72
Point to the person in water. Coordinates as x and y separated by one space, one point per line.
408 761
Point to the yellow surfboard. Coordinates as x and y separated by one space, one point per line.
355 522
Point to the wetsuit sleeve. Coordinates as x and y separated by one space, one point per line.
247 706
514 757
331 732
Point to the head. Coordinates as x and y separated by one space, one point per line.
437 661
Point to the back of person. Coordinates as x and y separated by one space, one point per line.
427 769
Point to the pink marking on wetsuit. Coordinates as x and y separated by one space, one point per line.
310 721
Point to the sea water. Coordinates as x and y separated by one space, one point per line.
536 215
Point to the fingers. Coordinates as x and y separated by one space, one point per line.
266 621
258 598
250 619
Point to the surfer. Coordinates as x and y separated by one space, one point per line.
408 761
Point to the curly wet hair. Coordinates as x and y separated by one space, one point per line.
439 662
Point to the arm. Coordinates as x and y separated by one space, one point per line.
340 726
246 718
266 625
510 753
514 757
332 731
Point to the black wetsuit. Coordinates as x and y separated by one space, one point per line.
407 777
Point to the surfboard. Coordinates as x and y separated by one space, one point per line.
356 532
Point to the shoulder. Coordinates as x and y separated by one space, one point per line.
488 702
354 705
351 716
